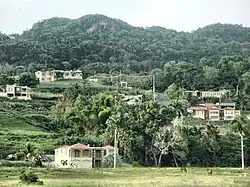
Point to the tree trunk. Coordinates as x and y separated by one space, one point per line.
159 160
146 158
214 157
155 159
176 164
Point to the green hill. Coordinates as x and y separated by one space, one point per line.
97 42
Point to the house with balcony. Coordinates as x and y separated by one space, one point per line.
16 92
81 156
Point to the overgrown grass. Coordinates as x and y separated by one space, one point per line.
121 177
46 95
16 125
59 83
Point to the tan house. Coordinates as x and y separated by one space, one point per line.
47 76
197 112
81 156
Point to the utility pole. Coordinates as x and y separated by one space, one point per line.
242 151
237 90
115 148
111 79
154 88
120 77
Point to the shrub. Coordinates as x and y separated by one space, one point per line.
136 164
108 161
30 178
5 163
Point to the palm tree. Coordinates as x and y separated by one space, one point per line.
180 107
239 126
177 100
30 151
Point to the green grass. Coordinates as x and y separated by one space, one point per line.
17 125
67 83
16 130
131 177
59 83
46 95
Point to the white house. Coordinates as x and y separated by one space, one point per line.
207 94
17 92
81 156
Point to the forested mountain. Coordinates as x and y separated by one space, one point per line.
3 37
102 43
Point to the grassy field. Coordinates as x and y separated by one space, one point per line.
59 83
66 83
17 125
131 177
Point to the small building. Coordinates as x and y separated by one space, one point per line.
124 84
16 92
81 156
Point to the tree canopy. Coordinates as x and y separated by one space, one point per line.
104 44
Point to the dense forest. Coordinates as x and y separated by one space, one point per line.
103 44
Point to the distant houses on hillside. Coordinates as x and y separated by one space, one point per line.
53 75
16 92
207 94
224 111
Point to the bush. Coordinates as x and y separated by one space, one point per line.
108 161
136 164
30 178
5 163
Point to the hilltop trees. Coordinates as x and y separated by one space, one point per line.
100 43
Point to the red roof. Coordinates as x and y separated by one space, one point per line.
209 105
78 146
108 147
83 146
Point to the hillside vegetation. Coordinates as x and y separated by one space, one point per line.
67 112
103 44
